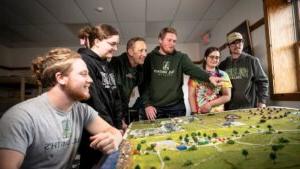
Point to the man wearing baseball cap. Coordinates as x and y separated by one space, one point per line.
250 83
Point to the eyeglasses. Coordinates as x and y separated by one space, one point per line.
113 44
238 41
214 57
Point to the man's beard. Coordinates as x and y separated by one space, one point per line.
75 94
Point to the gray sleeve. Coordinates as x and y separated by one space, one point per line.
16 130
90 114
261 81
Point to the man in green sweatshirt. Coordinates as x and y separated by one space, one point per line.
249 82
163 71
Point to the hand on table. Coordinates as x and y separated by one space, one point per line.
150 112
104 142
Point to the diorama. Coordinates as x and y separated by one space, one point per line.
249 138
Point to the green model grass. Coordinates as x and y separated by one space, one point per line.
256 138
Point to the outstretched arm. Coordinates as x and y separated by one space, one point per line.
192 97
10 159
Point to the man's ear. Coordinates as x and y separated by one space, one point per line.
159 40
60 78
130 51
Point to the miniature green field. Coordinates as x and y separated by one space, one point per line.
274 131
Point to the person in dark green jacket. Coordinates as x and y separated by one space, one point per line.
163 78
128 68
250 85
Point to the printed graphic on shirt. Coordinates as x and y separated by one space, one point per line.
108 80
166 65
57 145
66 126
165 70
66 135
205 92
237 73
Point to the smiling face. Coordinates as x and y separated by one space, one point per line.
167 43
213 59
78 81
137 53
236 47
107 47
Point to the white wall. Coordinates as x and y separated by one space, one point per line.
22 57
252 11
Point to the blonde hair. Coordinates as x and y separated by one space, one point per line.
90 33
56 60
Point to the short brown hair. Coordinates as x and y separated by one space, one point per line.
166 30
56 60
132 41
100 32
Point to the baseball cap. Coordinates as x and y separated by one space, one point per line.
233 37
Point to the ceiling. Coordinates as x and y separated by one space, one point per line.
48 23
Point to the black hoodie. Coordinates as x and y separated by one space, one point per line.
127 77
105 99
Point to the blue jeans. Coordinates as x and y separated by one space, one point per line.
110 162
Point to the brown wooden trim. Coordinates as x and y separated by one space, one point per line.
297 54
257 24
252 27
269 48
14 68
223 47
286 96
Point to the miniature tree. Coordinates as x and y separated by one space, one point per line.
187 163
277 147
245 153
199 133
246 132
283 140
137 166
230 142
153 146
270 128
193 147
235 132
186 139
209 137
273 157
214 135
204 134
139 147
180 137
167 158
195 139
262 121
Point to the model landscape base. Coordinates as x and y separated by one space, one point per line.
248 138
